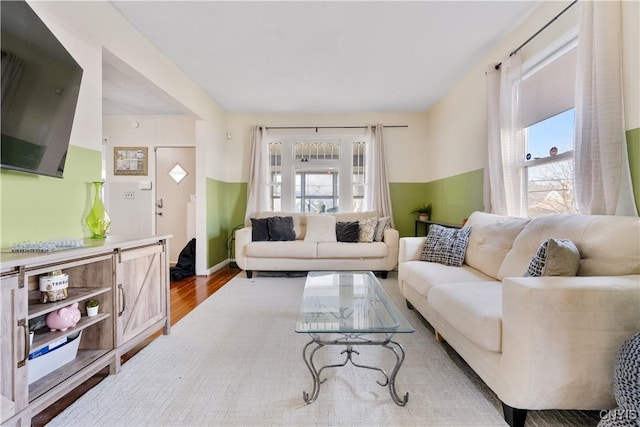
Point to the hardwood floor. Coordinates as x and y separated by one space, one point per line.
185 295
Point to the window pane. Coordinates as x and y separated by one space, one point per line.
316 191
556 131
550 189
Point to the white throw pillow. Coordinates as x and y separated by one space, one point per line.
321 228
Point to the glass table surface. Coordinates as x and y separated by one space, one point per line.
352 302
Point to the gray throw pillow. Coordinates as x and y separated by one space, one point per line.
281 228
259 230
348 231
446 245
555 257
384 222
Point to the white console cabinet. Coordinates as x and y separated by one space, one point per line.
129 278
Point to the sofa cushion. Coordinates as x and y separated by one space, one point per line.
320 228
445 245
348 231
383 224
609 245
490 240
367 229
350 250
555 257
288 249
259 230
281 228
474 309
425 275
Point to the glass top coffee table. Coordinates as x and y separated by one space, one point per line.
350 308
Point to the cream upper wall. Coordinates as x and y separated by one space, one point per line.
457 123
145 131
89 26
406 148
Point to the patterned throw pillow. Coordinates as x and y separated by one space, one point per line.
384 222
367 229
555 257
446 245
348 231
281 228
259 230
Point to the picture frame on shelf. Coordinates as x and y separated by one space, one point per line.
130 160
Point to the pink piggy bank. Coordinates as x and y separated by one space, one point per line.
64 318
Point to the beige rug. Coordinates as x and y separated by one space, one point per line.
236 361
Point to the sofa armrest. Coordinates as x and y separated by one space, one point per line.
561 336
243 238
410 248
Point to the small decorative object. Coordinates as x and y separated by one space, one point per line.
98 219
92 307
64 318
424 212
553 151
53 286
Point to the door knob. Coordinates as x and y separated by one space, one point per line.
159 213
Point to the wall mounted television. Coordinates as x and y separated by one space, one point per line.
40 87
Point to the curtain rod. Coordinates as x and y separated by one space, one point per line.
330 127
516 50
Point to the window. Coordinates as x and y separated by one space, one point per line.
549 166
547 114
315 175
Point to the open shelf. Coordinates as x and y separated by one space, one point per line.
36 308
49 381
42 339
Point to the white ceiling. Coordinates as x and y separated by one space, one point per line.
311 57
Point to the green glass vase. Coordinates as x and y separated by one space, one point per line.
98 219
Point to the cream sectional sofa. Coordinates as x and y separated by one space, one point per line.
305 255
537 342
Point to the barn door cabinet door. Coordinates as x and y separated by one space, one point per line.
14 348
141 290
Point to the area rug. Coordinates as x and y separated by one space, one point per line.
236 361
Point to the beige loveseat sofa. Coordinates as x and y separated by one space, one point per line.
317 249
537 342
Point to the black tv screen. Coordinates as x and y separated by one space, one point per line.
40 86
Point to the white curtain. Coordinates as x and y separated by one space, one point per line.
493 187
505 178
259 182
603 182
377 195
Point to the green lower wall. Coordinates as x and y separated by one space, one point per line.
34 207
453 198
633 148
226 203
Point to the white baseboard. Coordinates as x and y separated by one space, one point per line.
213 269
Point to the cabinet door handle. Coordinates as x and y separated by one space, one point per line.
23 323
123 298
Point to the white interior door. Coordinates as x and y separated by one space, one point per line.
175 196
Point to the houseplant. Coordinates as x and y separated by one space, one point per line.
424 211
92 307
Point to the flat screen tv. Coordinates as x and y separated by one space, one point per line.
40 86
